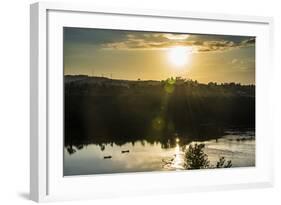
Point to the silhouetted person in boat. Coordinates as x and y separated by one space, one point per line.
125 151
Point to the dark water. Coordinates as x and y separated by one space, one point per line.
239 147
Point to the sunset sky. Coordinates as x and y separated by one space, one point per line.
157 56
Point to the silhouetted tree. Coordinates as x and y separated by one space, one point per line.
195 158
221 163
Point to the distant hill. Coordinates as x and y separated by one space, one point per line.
84 83
86 78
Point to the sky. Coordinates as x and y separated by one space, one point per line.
146 55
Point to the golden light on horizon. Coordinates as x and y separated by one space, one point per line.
179 56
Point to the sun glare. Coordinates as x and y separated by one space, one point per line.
179 56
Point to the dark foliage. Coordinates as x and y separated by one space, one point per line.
196 158
221 163
103 111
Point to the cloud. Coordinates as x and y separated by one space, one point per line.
244 65
176 36
140 40
198 44
234 61
248 42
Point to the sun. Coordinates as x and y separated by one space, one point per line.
179 55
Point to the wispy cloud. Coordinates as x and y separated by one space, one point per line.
140 40
158 41
234 61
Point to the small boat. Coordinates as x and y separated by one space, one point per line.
125 151
107 157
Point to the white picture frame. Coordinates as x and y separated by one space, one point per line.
46 180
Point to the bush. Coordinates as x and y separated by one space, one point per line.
195 158
221 163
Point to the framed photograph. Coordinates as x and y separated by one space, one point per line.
128 102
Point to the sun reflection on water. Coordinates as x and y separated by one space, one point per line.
178 161
146 156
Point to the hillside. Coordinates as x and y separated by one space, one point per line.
100 109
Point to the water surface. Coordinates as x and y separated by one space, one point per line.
239 147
